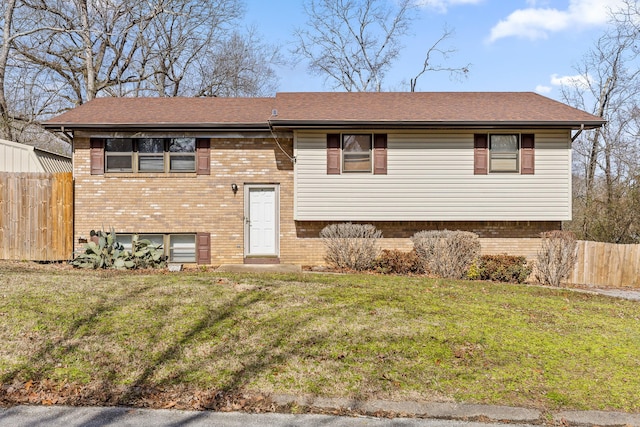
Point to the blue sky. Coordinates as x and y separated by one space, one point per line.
512 45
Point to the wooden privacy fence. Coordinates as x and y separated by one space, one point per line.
36 216
607 265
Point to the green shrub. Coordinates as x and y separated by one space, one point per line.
501 268
474 271
398 262
445 253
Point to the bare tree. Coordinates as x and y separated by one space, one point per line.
353 43
7 39
95 48
90 46
10 34
606 159
430 64
181 38
241 66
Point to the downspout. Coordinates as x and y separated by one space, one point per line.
574 137
67 134
275 137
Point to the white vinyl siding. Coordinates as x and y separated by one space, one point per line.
430 177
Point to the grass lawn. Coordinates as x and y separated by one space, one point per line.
360 336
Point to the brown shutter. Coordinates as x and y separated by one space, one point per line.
380 154
203 156
97 156
333 154
480 154
527 153
203 244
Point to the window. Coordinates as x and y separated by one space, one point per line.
119 155
125 241
503 153
150 154
182 155
155 239
180 248
356 152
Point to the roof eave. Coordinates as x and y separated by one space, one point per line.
157 126
328 124
344 124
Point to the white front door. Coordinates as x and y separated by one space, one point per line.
261 220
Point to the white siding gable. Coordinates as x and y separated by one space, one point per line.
430 177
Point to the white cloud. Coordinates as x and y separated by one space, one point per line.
443 5
543 89
579 80
537 22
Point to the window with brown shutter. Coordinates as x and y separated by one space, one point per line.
380 154
503 153
333 154
356 152
480 154
97 156
527 154
203 243
203 156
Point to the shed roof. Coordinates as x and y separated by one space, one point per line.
326 109
16 157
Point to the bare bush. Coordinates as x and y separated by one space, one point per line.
351 246
447 253
393 261
556 257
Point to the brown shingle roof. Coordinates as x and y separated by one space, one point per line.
166 111
447 107
318 109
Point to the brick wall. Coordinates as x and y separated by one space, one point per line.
496 237
190 203
406 229
186 202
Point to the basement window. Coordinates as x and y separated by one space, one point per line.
182 248
179 248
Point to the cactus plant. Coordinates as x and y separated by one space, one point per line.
104 251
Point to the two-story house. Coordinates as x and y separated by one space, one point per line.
254 180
